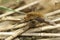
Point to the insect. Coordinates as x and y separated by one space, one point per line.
40 14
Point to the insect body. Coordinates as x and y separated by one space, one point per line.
41 13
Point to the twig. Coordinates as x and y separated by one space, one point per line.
18 9
41 34
5 29
10 18
52 13
14 27
28 5
20 25
6 33
57 19
44 28
49 14
17 18
17 32
29 34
